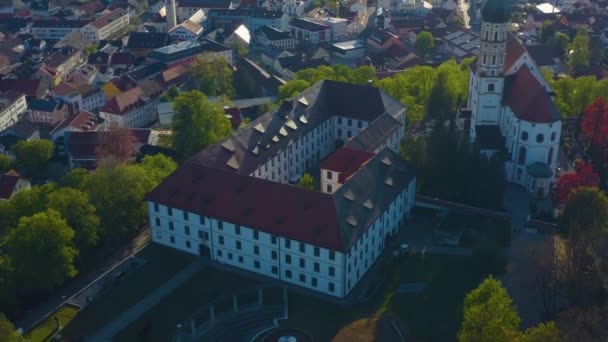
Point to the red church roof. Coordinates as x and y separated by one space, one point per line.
514 50
528 98
346 161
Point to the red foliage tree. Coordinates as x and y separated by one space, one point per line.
584 176
595 123
117 143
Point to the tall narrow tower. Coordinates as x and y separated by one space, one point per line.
487 78
170 14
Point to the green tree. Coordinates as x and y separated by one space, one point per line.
292 88
8 333
80 215
585 211
158 167
117 192
173 92
91 49
439 103
413 149
561 41
41 250
547 31
197 123
489 314
8 217
581 51
31 201
544 332
424 42
76 178
213 76
307 182
33 156
6 163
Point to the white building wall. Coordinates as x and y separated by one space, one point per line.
11 112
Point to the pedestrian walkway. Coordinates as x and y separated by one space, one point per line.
123 320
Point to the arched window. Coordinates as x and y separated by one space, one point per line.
524 136
485 59
495 35
550 156
521 159
487 33
540 138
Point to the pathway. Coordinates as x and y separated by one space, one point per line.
123 320
83 279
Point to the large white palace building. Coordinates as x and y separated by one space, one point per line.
511 104
234 201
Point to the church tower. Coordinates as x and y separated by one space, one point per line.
170 14
487 76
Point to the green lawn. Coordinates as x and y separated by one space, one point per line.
44 330
162 263
159 323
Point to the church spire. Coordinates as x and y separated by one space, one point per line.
496 11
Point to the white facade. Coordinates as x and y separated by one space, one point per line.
317 268
138 117
337 26
107 26
181 33
11 109
295 8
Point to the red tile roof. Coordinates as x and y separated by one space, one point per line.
514 50
7 185
107 18
28 87
79 121
84 144
528 98
346 162
283 210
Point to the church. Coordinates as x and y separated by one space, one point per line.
511 105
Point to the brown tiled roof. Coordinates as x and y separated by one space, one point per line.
346 162
528 98
514 50
107 18
79 121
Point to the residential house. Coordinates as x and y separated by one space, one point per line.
11 183
107 26
82 122
140 44
337 26
60 63
81 98
302 29
379 41
55 29
47 112
35 88
185 52
134 108
275 38
295 8
12 108
187 30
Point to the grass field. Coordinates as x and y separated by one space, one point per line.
159 324
44 330
162 263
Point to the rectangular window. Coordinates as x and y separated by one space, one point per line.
273 240
302 262
288 259
220 225
302 278
350 122
359 124
317 251
230 256
275 270
170 211
329 174
200 234
220 240
240 259
288 274
332 255
201 219
185 215
331 287
332 271
206 236
256 235
256 250
256 264
237 229
156 207
313 281
287 243
316 266
238 245
219 253
171 227
186 230
339 120
157 220
274 255
329 188
172 239
302 248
